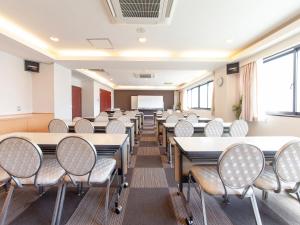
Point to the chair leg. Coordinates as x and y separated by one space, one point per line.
189 188
203 207
106 201
298 196
61 205
264 195
57 202
255 210
170 154
6 205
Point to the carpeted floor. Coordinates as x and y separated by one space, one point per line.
151 199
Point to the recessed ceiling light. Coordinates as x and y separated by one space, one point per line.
55 39
229 41
111 79
142 39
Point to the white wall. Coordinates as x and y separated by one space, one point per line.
87 98
62 92
16 86
97 87
43 90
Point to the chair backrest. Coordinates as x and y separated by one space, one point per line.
76 155
118 114
75 119
115 127
240 165
183 128
178 114
172 119
101 119
165 114
103 114
159 112
219 119
192 118
19 157
239 128
124 119
84 126
287 162
58 126
213 128
170 111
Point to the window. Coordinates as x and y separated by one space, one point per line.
200 96
280 83
195 97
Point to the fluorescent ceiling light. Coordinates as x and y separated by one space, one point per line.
229 41
83 53
205 54
19 34
145 54
145 87
96 76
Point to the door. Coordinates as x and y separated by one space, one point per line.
76 102
105 100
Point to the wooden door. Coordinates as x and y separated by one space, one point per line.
105 100
76 102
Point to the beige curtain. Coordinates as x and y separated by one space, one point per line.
248 91
213 105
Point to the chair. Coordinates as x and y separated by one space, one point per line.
170 111
284 173
183 128
124 119
58 126
238 168
213 128
75 119
165 114
239 128
101 119
192 118
78 158
115 127
84 126
172 119
118 114
103 114
23 161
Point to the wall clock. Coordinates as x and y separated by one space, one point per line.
220 81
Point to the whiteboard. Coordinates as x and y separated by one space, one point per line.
150 102
134 103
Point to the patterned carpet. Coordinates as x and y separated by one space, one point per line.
151 199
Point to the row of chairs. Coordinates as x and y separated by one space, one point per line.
22 163
242 167
214 128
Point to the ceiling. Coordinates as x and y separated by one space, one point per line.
212 30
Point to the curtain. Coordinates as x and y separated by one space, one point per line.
248 91
213 105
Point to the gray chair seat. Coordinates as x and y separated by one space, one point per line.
209 180
49 174
268 181
100 173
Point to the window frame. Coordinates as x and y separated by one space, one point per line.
207 91
296 75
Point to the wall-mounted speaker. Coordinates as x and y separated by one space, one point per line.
32 66
233 68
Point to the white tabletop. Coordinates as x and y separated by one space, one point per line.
182 118
55 138
195 125
215 144
99 124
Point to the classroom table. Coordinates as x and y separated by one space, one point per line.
100 127
106 145
207 150
168 128
161 120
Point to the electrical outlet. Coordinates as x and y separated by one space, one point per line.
19 108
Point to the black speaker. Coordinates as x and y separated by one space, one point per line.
233 68
32 66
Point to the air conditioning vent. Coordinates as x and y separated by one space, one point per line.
144 75
168 83
141 11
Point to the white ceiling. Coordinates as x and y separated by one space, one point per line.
196 25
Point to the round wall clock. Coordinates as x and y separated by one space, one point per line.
220 81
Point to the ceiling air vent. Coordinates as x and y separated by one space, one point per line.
141 11
144 75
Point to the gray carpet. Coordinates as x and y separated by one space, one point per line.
151 199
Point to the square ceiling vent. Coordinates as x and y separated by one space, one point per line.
100 43
141 11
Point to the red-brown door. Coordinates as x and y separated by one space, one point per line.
76 102
105 100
